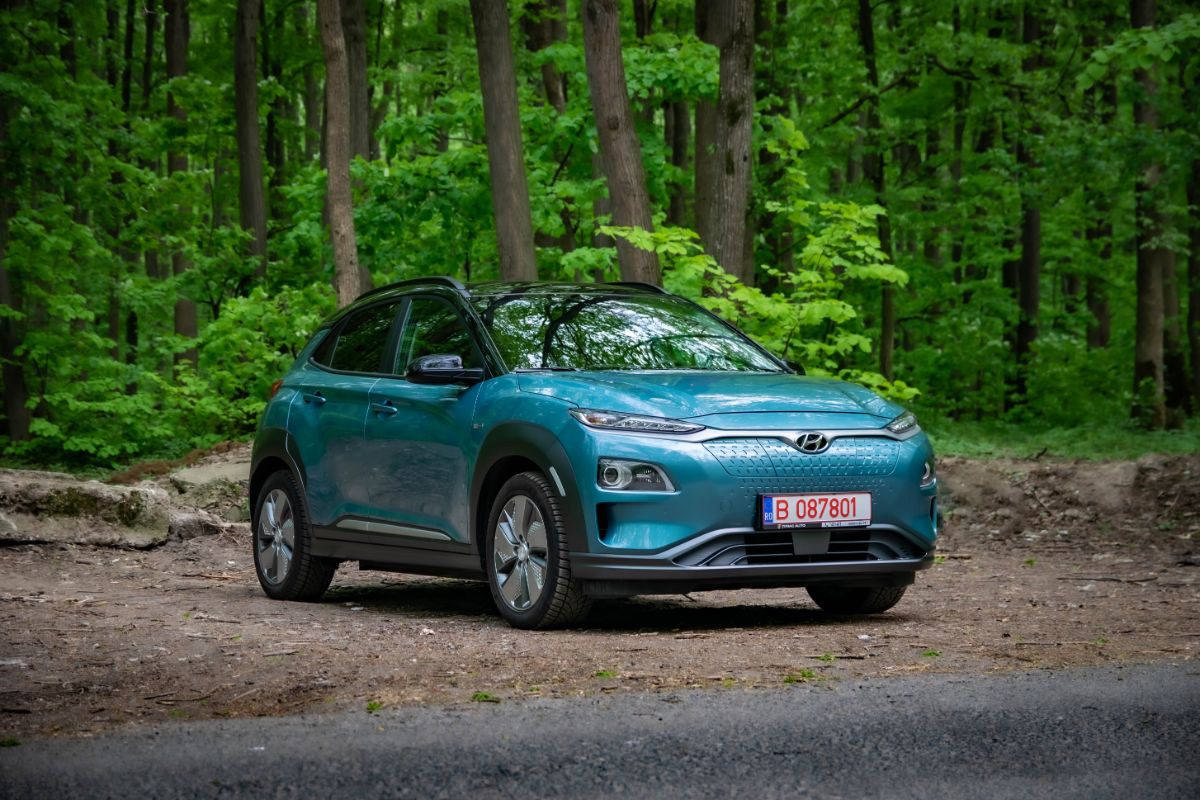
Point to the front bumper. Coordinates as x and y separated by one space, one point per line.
744 558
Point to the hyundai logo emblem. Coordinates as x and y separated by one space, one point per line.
812 443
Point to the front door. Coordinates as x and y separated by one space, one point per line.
416 436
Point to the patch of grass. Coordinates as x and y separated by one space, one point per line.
1118 439
484 697
373 706
187 615
1100 640
931 654
605 674
800 676
1029 562
10 742
178 713
828 658
728 683
939 559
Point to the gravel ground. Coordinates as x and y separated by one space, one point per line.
1050 564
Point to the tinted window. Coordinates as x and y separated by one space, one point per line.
434 328
604 332
362 340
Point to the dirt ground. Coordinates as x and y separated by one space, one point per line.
1041 564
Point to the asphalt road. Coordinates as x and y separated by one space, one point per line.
1114 732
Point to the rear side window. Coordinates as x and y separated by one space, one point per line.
360 344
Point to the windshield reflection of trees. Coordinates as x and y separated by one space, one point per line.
607 332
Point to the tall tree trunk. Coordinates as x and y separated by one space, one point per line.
1149 405
1176 389
729 24
619 148
706 138
312 93
506 154
1101 104
1193 317
724 157
545 23
151 17
177 30
131 318
354 29
873 170
678 134
1029 272
346 273
252 202
16 394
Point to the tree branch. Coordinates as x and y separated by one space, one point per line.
850 109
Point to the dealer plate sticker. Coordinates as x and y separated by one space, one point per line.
816 510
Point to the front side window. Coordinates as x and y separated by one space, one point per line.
360 344
434 329
615 332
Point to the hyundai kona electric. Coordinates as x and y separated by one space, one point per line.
567 442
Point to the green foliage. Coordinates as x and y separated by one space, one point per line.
1104 438
98 239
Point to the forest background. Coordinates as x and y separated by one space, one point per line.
986 210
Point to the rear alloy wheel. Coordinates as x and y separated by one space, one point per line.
528 565
856 599
283 556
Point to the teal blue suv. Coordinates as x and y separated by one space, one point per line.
566 442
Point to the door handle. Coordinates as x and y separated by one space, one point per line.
385 407
315 397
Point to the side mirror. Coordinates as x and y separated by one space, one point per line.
441 369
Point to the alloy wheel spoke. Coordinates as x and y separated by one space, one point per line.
504 551
536 568
267 557
520 513
283 560
536 534
289 533
512 587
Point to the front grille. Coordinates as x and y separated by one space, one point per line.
775 547
763 457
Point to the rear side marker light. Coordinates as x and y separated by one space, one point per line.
274 390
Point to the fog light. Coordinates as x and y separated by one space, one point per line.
618 474
929 475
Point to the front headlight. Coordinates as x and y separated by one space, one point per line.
905 423
616 421
620 474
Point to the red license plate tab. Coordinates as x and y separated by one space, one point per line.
832 510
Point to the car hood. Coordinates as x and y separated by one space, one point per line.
697 395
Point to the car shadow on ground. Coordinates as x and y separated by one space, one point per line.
443 598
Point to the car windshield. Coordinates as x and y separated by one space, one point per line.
615 332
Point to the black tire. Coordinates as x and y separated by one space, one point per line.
306 576
856 599
560 601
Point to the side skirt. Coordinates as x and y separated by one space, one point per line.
418 553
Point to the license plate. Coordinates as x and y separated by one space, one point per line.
815 510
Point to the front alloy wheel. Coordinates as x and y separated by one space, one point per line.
528 565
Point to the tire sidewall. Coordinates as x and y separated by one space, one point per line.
522 484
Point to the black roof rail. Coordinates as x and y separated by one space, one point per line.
440 280
638 285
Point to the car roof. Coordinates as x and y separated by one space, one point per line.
451 286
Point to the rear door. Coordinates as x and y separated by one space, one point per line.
328 416
417 436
